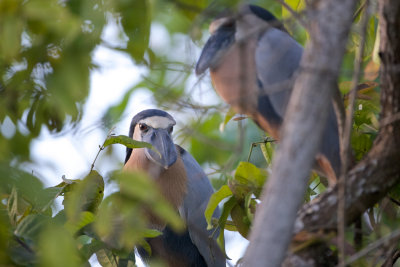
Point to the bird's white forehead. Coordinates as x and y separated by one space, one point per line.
214 26
158 122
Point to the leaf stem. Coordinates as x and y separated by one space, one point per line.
101 148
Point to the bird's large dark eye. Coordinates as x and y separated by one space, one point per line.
170 129
143 127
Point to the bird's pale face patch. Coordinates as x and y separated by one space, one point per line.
216 24
157 122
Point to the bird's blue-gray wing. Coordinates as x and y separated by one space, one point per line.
199 190
277 58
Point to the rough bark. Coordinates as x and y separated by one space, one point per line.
301 134
372 178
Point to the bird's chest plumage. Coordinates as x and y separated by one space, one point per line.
172 182
235 78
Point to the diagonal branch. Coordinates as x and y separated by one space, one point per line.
379 171
371 179
285 189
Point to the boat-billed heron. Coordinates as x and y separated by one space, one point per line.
183 183
253 63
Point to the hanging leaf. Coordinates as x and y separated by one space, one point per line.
226 210
135 17
215 199
228 116
241 221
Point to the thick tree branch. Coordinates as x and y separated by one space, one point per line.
301 134
371 178
379 171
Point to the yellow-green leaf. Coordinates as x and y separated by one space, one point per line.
85 218
151 233
247 172
296 5
240 219
215 199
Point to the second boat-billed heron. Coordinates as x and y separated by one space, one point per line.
253 63
183 183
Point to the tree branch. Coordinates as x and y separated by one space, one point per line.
285 189
371 179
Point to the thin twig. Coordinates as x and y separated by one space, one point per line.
23 244
395 201
101 148
362 6
346 139
293 13
382 241
253 145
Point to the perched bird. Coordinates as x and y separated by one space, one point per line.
183 183
253 63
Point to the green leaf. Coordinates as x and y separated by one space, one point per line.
228 116
267 150
146 246
58 248
230 226
84 196
31 226
87 250
12 207
84 219
127 260
135 20
215 199
247 172
47 198
296 5
29 187
247 178
151 233
20 252
128 142
226 210
106 258
250 205
240 219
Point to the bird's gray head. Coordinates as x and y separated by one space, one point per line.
228 28
154 126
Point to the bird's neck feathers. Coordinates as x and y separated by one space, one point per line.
172 182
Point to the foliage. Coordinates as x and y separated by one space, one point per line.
45 66
87 224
